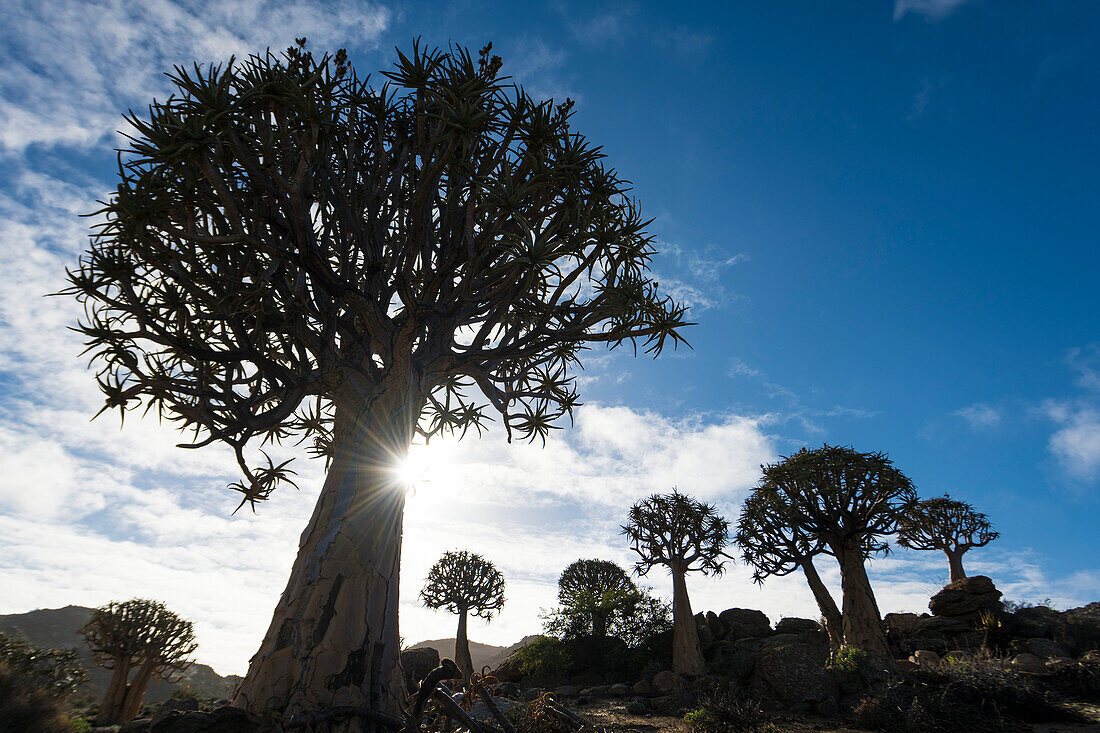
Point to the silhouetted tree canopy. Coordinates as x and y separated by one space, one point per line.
283 233
462 581
594 592
675 528
946 524
54 671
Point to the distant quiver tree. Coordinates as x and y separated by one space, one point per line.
774 546
849 502
594 591
464 583
138 640
684 535
946 524
294 253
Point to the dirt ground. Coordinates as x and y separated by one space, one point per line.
612 716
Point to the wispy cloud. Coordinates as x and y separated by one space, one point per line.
980 416
1076 444
929 9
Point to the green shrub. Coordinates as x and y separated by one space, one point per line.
721 711
847 659
544 656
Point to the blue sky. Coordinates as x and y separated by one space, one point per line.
883 214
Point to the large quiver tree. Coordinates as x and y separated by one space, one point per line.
137 640
849 501
774 546
593 592
684 535
946 524
463 583
292 253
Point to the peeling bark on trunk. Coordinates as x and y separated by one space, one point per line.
111 708
333 639
955 562
862 622
830 614
687 657
462 647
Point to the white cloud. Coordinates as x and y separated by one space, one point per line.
980 416
929 9
1077 443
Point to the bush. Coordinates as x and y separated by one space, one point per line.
721 711
54 671
537 717
848 660
978 693
27 706
543 657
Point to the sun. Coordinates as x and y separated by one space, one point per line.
425 465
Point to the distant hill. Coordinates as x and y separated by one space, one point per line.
482 654
56 628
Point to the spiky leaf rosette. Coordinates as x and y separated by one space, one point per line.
676 528
141 629
283 231
462 581
769 543
943 523
839 496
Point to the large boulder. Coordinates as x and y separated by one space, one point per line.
967 599
797 626
736 658
1078 629
219 720
1033 622
743 622
417 663
790 674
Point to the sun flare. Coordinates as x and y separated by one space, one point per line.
425 465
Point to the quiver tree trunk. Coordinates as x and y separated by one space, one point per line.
955 562
333 639
599 624
462 647
687 657
110 710
862 623
135 692
830 614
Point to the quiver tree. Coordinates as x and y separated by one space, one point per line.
946 524
292 253
773 546
685 536
848 502
138 640
464 583
593 592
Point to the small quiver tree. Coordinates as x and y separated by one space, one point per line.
684 535
35 686
294 254
946 524
773 546
593 592
464 583
848 501
138 640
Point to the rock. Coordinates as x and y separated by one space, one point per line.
924 658
902 624
219 720
827 708
417 663
736 657
481 711
1044 648
618 690
1092 656
567 691
667 681
643 688
666 704
706 638
797 626
743 622
791 675
531 693
1078 629
944 626
637 707
1034 621
966 599
716 626
1029 663
597 691
1056 663
174 705
137 725
906 665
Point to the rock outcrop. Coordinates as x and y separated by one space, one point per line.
967 599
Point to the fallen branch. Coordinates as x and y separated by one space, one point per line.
567 714
452 708
484 695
